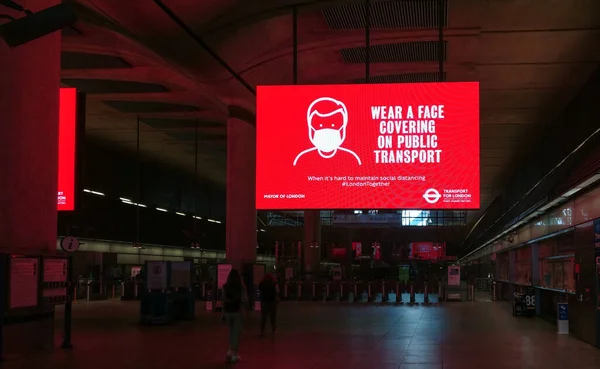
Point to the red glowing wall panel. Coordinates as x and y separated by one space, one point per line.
67 133
409 146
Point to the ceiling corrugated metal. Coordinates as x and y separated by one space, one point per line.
404 52
407 14
402 78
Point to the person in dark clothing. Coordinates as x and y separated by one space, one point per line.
234 295
269 296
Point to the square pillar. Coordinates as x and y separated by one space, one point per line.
240 226
312 242
535 264
29 113
29 102
512 271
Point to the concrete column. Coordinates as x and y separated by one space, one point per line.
512 270
312 237
240 227
535 264
535 276
29 97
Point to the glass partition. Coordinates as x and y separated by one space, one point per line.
557 261
523 266
502 263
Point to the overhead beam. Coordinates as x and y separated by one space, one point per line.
203 44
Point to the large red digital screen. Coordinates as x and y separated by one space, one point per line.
376 146
67 129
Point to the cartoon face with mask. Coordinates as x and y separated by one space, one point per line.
327 119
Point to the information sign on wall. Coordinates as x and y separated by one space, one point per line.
23 282
156 275
181 274
454 275
55 278
337 274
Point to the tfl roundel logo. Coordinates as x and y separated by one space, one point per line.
432 196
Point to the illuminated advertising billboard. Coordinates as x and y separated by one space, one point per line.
67 133
377 146
427 250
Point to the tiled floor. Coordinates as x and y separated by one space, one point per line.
323 335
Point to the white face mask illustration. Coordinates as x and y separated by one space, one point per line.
327 139
327 119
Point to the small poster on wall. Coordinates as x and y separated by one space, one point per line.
454 275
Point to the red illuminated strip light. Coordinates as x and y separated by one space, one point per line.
67 128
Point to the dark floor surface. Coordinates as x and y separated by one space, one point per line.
458 335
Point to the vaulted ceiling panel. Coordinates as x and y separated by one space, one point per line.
148 107
107 86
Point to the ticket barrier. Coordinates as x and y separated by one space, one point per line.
156 307
391 297
257 299
426 294
203 290
337 291
208 300
364 297
184 304
470 292
366 294
440 292
285 290
412 293
325 292
398 293
378 298
299 290
129 291
352 292
340 296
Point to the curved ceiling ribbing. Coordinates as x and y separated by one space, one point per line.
529 65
